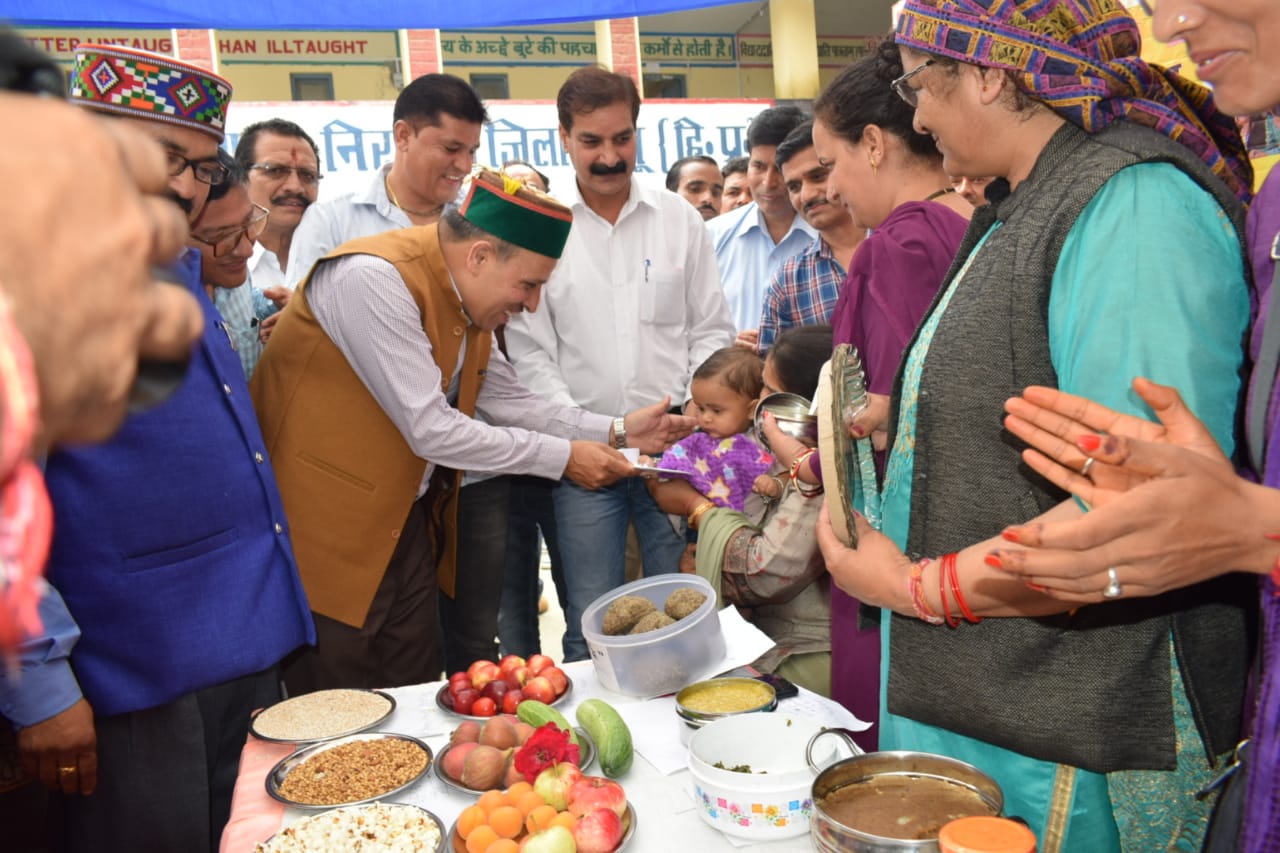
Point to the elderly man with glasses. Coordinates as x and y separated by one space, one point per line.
226 236
170 551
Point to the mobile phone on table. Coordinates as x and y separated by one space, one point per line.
785 689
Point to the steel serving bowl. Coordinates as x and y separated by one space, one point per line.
310 699
294 837
628 831
586 754
288 764
791 413
830 835
444 692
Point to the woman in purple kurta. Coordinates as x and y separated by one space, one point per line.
890 178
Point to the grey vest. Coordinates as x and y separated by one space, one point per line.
1090 689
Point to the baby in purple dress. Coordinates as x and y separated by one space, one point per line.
724 461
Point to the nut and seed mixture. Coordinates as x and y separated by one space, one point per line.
354 771
375 828
325 713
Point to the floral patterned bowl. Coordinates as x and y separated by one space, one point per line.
750 777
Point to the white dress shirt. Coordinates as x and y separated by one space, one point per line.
328 224
264 269
629 312
364 307
748 258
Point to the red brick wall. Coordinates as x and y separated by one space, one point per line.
626 58
195 47
424 53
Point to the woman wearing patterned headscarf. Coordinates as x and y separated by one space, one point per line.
1114 242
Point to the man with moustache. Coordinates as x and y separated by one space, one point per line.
697 179
367 395
736 192
751 243
633 307
805 288
283 165
170 550
437 122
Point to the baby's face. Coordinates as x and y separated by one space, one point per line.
721 411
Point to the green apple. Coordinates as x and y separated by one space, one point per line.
557 839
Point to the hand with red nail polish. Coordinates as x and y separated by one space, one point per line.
1168 509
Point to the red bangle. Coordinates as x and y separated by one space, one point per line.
915 586
954 575
952 621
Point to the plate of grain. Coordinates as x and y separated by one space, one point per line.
322 715
375 828
349 771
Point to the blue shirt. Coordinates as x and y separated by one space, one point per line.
748 258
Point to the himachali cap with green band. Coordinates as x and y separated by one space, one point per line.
512 212
140 84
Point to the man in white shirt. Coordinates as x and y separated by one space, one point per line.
753 241
437 123
634 306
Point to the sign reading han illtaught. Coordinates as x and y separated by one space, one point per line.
508 47
278 46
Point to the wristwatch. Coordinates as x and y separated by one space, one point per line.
620 432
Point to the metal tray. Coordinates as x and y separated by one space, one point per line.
586 755
629 822
391 707
282 769
444 691
266 845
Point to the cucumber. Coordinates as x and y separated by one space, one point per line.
610 733
538 714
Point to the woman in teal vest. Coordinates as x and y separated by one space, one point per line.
1112 240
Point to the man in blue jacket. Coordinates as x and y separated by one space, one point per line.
176 592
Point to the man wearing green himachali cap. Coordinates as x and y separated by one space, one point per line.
366 395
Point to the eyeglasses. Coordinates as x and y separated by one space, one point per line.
209 171
227 242
903 90
277 172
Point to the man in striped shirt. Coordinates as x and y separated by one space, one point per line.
805 288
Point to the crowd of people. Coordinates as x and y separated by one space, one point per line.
319 445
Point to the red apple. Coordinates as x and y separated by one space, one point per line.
477 666
537 663
540 689
511 700
596 792
554 783
558 679
598 831
557 839
464 700
509 663
517 677
495 690
484 707
459 678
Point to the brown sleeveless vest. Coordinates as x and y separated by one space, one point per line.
347 475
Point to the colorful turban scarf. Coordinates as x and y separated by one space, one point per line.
1081 59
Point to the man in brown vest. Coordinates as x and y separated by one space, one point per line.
366 397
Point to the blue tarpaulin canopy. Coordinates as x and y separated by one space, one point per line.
329 15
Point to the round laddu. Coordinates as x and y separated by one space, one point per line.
625 612
682 602
652 622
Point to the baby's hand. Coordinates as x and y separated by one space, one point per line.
770 487
647 461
